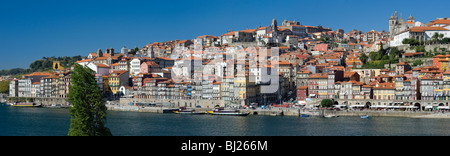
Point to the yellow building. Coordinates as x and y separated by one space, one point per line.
446 85
243 88
384 91
118 79
356 90
444 64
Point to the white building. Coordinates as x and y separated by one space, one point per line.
13 88
135 66
99 68
36 89
124 50
24 88
419 33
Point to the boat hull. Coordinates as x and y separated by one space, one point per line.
190 113
230 114
365 117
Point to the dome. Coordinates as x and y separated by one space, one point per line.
411 18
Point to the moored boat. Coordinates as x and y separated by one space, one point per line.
365 116
331 116
188 111
169 110
219 111
304 115
25 104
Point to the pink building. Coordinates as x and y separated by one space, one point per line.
302 93
150 67
321 47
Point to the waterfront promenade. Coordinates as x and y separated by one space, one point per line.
279 111
124 105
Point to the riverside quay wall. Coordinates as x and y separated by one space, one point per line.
43 101
175 103
380 113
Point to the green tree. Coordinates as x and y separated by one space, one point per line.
374 56
445 40
395 52
417 63
134 51
363 58
326 103
4 87
437 37
88 114
420 48
382 51
411 41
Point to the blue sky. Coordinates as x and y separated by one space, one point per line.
30 29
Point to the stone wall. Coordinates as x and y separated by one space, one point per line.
437 46
175 103
45 102
426 61
429 48
244 44
379 113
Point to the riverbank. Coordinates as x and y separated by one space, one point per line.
383 113
296 112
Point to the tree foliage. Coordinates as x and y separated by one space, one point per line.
411 41
363 58
382 57
88 114
4 87
43 64
437 36
326 103
395 52
134 51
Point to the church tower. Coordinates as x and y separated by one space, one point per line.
124 50
411 18
150 52
111 51
393 20
99 53
274 25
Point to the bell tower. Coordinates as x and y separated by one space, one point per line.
274 25
393 20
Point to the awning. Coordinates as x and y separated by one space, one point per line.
428 107
357 106
378 106
302 102
443 107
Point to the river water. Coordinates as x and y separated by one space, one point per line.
16 121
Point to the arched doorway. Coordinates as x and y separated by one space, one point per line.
417 105
336 103
368 104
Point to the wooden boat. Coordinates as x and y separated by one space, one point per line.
228 112
25 104
304 115
276 114
331 116
169 110
188 111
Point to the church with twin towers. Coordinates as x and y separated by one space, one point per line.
397 25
